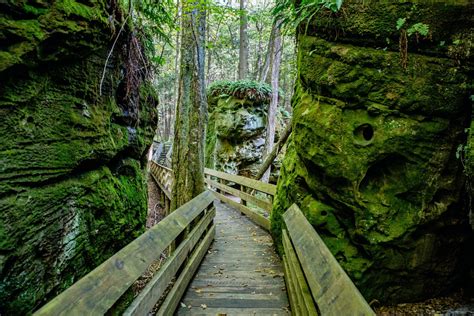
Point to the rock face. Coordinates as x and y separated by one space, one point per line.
235 135
236 129
372 158
72 186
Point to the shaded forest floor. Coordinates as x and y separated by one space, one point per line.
455 304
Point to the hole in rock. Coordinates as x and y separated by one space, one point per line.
324 213
364 133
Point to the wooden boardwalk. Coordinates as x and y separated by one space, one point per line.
240 275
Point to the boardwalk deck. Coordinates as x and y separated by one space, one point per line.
240 275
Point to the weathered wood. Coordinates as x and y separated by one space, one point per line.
237 282
331 288
242 195
304 298
295 308
250 183
255 217
163 176
148 297
95 293
174 297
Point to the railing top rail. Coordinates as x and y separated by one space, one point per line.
96 292
251 183
326 278
161 166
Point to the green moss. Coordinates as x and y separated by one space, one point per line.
72 189
362 164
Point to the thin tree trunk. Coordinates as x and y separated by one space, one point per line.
272 109
271 157
268 55
244 43
191 114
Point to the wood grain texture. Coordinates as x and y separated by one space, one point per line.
267 206
257 218
331 288
148 297
174 296
250 183
240 275
96 292
303 296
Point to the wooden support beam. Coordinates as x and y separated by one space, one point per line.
152 292
255 217
331 288
250 183
267 206
174 296
95 293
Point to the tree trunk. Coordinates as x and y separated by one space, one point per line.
271 157
268 55
244 43
191 114
272 109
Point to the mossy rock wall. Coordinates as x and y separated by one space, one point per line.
72 184
235 136
372 158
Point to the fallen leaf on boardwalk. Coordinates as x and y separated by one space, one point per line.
203 306
198 290
183 305
190 306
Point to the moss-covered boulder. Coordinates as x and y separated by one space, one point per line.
72 187
236 129
372 158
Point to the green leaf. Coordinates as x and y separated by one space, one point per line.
401 22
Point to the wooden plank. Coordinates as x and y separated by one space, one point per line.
267 206
96 292
161 166
163 189
304 298
331 288
255 217
254 284
250 183
148 297
295 308
174 296
300 307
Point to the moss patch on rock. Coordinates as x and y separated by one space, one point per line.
72 188
371 161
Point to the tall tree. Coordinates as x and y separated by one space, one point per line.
244 42
272 109
191 108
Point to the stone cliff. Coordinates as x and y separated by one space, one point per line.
379 114
72 148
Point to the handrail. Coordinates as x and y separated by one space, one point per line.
219 188
250 183
99 290
314 275
163 177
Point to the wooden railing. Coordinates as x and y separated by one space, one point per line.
217 182
163 177
315 280
189 228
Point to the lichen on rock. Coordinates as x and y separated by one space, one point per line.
72 187
371 161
